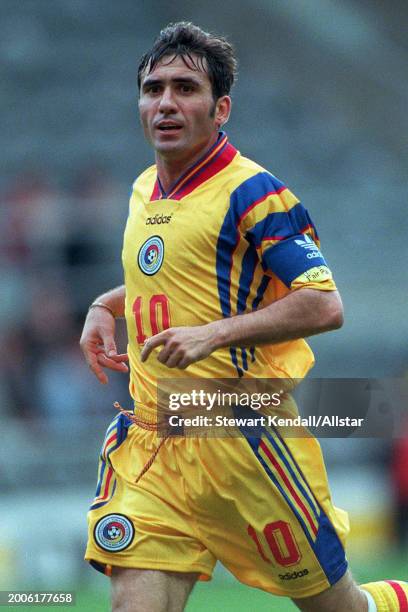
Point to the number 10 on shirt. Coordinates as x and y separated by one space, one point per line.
159 315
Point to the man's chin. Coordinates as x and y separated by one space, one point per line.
168 148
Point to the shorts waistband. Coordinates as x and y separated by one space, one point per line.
146 418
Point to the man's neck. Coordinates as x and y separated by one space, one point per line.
169 170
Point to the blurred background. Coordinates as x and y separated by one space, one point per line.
321 102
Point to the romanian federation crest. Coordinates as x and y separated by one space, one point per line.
114 532
151 254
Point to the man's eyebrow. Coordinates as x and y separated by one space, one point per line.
191 80
149 82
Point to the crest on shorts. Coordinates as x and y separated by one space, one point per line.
114 532
151 254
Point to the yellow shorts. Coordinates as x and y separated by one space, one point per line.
260 505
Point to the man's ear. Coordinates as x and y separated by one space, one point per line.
222 110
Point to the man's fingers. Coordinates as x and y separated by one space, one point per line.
96 368
151 343
184 363
97 360
164 354
110 347
173 360
119 358
108 362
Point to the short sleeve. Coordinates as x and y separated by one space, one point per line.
284 236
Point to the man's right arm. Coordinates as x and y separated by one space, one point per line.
98 336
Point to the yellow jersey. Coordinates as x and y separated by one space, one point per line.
227 238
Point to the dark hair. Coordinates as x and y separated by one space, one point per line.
213 54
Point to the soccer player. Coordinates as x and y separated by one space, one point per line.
223 278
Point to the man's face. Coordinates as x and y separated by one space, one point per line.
177 108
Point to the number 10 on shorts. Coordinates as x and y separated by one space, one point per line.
281 542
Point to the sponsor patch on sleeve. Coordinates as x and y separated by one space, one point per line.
318 274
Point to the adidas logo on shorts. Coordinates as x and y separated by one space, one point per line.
294 575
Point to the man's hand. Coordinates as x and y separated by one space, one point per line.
98 344
182 345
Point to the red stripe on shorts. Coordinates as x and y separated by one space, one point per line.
289 486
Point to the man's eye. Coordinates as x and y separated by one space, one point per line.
186 88
153 89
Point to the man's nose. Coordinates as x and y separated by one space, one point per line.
167 101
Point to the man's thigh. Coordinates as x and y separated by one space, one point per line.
136 590
344 596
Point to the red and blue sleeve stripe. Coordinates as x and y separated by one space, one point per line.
244 198
251 192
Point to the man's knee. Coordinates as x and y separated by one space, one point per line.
344 596
138 590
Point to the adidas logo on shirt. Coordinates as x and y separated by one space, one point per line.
308 244
158 219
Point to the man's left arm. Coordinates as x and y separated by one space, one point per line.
299 314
